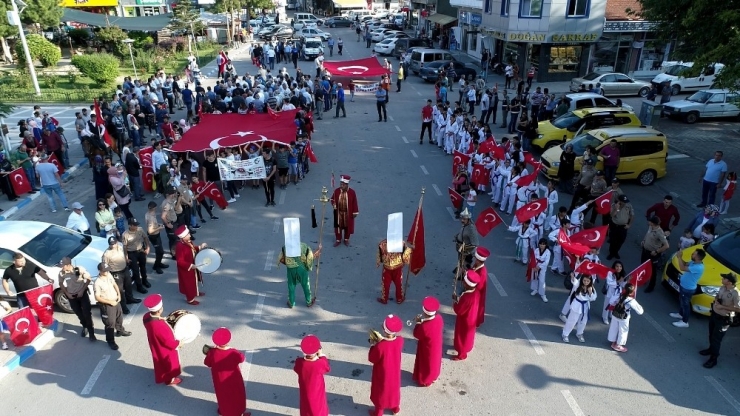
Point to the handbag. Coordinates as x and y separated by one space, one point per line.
123 191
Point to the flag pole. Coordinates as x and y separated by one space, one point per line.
323 199
416 228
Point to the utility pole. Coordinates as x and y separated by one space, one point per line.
31 68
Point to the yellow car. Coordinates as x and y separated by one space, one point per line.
563 128
723 256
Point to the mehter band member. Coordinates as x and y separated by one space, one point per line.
466 309
385 354
311 369
428 330
188 276
162 343
344 202
228 382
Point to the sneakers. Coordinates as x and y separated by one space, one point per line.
565 339
563 318
5 345
195 227
675 315
681 324
544 298
231 201
53 211
580 338
534 292
619 348
238 196
213 217
606 322
66 209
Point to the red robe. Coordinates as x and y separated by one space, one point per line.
163 345
311 386
466 310
481 291
385 387
187 279
228 382
352 208
428 361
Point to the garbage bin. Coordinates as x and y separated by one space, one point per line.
650 113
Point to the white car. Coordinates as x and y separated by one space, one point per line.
396 35
301 24
385 47
307 32
375 25
381 34
45 245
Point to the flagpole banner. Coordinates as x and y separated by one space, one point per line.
242 170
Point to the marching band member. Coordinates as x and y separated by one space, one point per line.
311 385
542 257
385 355
392 270
510 190
552 199
188 276
429 330
558 265
623 304
578 303
466 308
614 283
228 382
162 343
344 202
525 233
481 254
298 258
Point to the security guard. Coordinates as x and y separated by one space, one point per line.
74 280
185 201
726 304
117 260
622 215
467 239
108 297
136 246
653 246
153 228
169 218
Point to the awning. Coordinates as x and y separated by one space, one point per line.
146 23
358 68
441 19
350 3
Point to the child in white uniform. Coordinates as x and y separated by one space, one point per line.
614 283
576 217
593 256
620 326
552 200
542 256
578 304
509 197
558 265
523 245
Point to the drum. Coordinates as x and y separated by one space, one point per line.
185 325
208 260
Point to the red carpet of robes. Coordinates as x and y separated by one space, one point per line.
163 345
466 310
187 280
385 387
228 382
481 291
428 361
311 386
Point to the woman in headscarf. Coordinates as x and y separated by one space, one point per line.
709 215
100 178
184 126
120 190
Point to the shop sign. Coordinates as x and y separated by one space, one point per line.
575 37
525 37
628 26
88 3
149 2
468 18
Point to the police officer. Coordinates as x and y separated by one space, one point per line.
169 218
726 304
136 246
153 228
653 246
117 260
108 297
74 280
466 240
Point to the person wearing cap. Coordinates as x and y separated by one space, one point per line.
654 245
726 304
77 220
74 280
466 240
162 343
622 215
583 180
108 297
340 101
188 276
51 183
620 325
311 385
392 270
116 258
536 276
228 382
466 311
385 355
136 245
344 202
429 331
479 266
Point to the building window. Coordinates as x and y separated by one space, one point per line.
488 7
531 8
578 8
504 7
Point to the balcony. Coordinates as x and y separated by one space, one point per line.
470 4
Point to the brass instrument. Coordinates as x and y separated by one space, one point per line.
374 336
206 348
415 321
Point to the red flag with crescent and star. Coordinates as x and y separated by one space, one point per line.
481 175
592 237
531 210
528 179
459 158
272 113
147 171
590 267
60 166
19 181
603 204
529 159
455 198
22 326
486 146
309 152
531 265
40 299
210 190
499 153
487 221
100 124
641 275
416 239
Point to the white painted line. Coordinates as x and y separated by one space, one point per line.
405 140
734 403
398 128
452 213
677 156
423 169
132 313
259 306
95 375
418 93
248 355
413 153
268 260
497 285
282 198
436 189
532 340
659 328
276 226
391 118
572 403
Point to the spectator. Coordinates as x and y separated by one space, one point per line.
566 170
709 215
77 220
611 161
690 274
103 217
712 178
665 211
22 159
120 190
51 182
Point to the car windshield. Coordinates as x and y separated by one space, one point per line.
592 76
579 143
700 97
313 44
565 121
726 250
676 70
55 243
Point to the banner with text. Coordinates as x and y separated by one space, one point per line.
241 170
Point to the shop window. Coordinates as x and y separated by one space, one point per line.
488 7
531 8
565 58
504 7
577 8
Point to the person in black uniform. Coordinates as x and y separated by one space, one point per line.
74 281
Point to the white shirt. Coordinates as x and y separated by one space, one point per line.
159 158
78 222
471 95
471 199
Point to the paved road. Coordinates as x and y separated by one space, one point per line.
519 356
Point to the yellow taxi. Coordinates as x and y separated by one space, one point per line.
563 128
723 256
643 152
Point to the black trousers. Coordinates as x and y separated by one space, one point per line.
716 333
138 266
125 286
382 112
112 317
656 261
617 236
205 205
398 85
269 186
156 241
82 308
340 105
171 239
425 126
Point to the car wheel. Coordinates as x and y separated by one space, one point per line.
647 177
62 302
333 26
675 90
644 91
691 118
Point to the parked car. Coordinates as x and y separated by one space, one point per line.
679 82
337 21
312 47
313 33
430 71
705 104
613 83
558 131
301 24
396 35
405 44
385 46
285 32
579 100
291 5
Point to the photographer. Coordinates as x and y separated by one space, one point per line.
74 280
726 304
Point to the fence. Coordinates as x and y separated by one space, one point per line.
51 95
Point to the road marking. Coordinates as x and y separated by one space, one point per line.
436 189
452 213
497 285
268 260
423 169
418 93
572 403
734 403
258 308
391 118
132 313
282 198
413 153
276 226
659 328
677 156
532 340
405 140
95 375
248 355
398 128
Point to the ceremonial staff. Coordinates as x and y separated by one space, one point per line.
460 270
323 199
412 243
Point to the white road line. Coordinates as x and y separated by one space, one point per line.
259 306
391 118
423 169
452 213
734 403
532 340
131 314
413 153
436 189
95 375
418 93
497 285
659 328
248 355
398 128
276 225
405 140
268 260
677 156
282 198
572 403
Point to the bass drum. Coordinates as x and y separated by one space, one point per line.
185 325
208 260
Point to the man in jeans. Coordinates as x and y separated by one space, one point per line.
381 96
712 178
691 273
340 101
51 182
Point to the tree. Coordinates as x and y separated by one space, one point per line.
705 32
186 18
6 31
44 13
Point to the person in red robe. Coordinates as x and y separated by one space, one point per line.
311 369
162 343
344 202
228 382
385 354
188 276
429 331
466 309
481 254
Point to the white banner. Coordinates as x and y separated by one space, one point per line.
241 170
367 87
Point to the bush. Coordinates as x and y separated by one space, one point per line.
79 36
72 77
41 49
142 40
101 68
50 81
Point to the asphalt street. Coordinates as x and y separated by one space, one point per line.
519 366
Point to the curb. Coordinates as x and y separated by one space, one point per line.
26 352
67 173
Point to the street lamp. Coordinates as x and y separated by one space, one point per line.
128 42
14 18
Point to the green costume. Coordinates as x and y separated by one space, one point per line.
298 268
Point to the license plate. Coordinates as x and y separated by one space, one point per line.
674 285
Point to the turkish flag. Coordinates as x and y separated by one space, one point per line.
60 166
592 237
603 204
532 265
486 146
499 153
458 159
563 237
100 124
481 175
416 239
22 326
309 152
575 249
212 191
456 198
19 181
590 267
42 303
272 113
529 159
531 210
487 221
641 275
528 179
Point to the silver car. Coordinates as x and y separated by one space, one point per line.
705 104
613 83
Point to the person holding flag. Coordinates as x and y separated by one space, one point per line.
558 236
429 331
298 258
622 304
615 281
311 385
577 306
23 278
537 269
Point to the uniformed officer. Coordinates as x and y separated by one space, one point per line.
622 215
467 239
74 280
726 304
108 297
653 246
136 246
117 260
169 218
153 228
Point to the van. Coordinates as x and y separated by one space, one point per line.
643 152
421 56
678 83
359 13
558 131
403 45
308 16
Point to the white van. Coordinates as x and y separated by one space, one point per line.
359 13
308 16
679 83
422 56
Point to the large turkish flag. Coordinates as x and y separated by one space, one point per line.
20 182
41 301
147 171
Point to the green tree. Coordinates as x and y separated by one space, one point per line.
186 18
112 39
6 31
45 13
705 32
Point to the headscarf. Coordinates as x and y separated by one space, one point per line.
112 171
184 125
711 211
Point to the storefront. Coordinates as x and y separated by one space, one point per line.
631 48
140 8
470 35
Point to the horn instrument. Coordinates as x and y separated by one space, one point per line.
207 348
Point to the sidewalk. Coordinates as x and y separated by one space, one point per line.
14 357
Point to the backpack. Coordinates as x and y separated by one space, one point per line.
620 311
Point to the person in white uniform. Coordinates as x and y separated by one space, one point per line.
558 266
623 305
552 200
576 217
502 175
613 286
524 234
510 190
578 303
542 256
593 256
